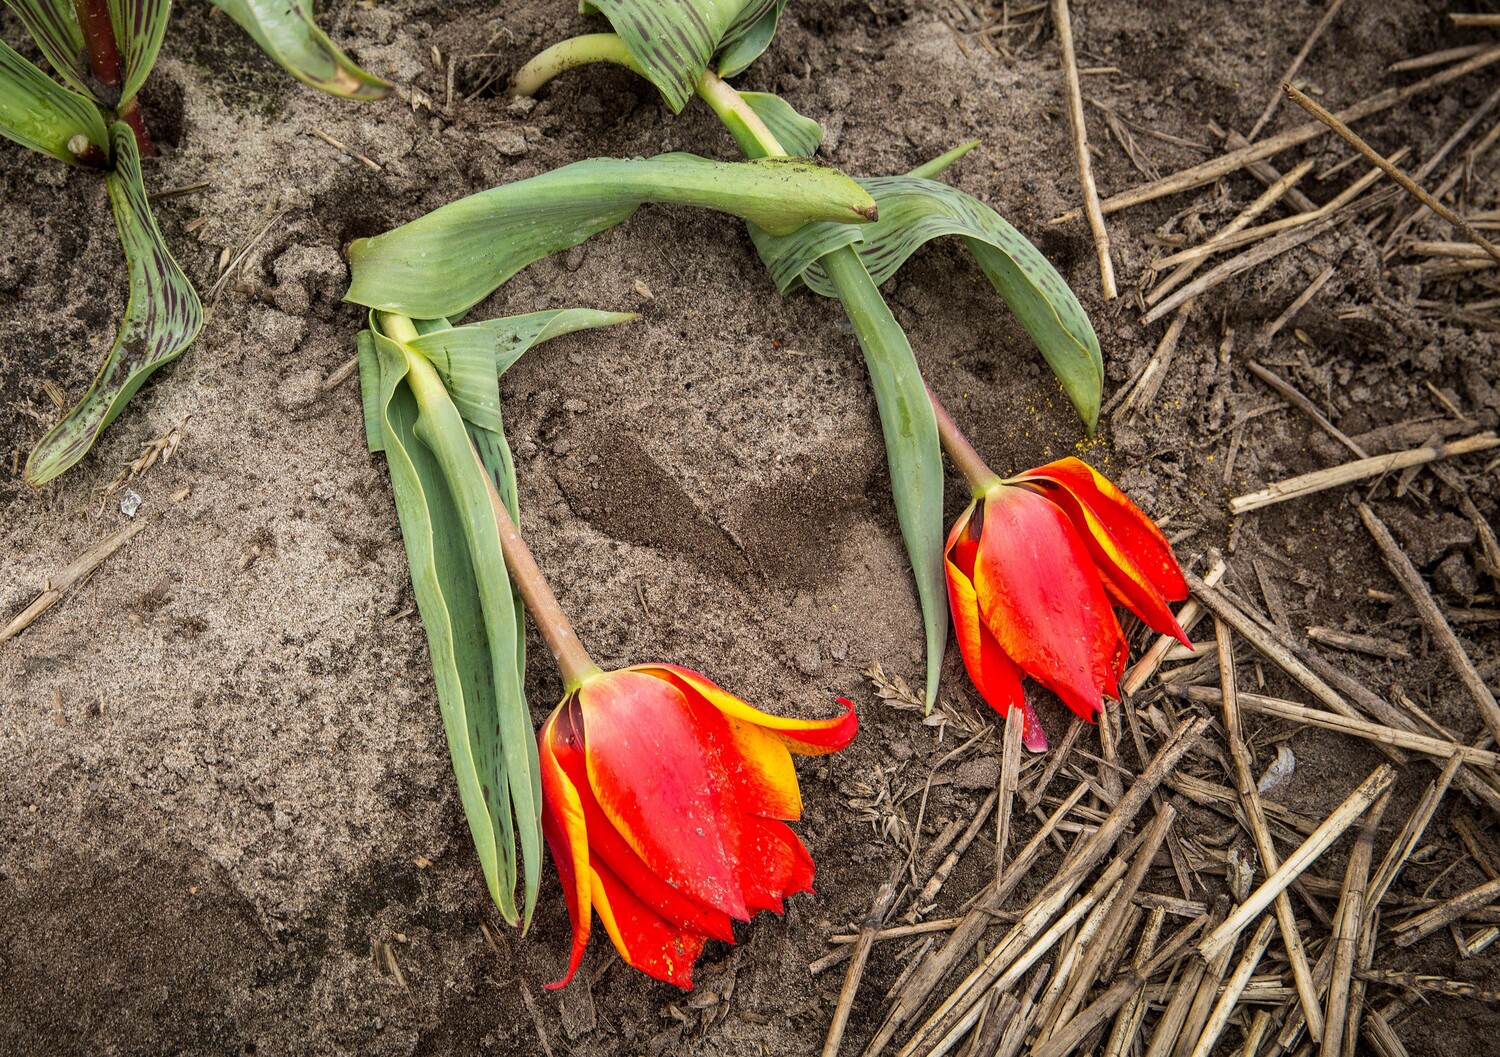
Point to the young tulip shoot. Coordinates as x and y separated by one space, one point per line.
1034 566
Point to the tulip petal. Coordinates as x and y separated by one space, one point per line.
605 842
564 826
1040 596
657 777
1125 583
995 676
778 864
762 777
645 939
806 737
1118 528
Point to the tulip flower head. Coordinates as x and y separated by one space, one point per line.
1033 566
664 804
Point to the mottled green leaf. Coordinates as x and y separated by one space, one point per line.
286 31
139 26
54 27
799 136
162 316
37 112
914 210
673 41
447 261
747 39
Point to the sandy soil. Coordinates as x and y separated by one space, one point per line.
225 793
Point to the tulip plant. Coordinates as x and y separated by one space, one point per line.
664 798
432 403
103 50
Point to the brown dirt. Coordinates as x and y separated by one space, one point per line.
217 780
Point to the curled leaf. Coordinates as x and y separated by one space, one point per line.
674 41
914 210
162 316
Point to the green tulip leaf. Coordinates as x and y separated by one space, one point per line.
914 210
911 443
285 31
54 27
39 113
446 262
747 39
674 41
417 412
139 26
470 615
162 316
799 136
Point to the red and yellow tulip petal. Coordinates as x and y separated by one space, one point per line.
566 831
645 939
652 769
1131 536
806 737
1125 583
777 864
762 777
605 842
994 675
1041 598
963 539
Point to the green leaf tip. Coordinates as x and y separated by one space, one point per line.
287 33
930 170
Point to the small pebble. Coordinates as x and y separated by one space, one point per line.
808 661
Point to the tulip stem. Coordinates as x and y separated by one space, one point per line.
108 68
572 659
980 477
568 55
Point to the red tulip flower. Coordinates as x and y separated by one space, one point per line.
1034 565
663 803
